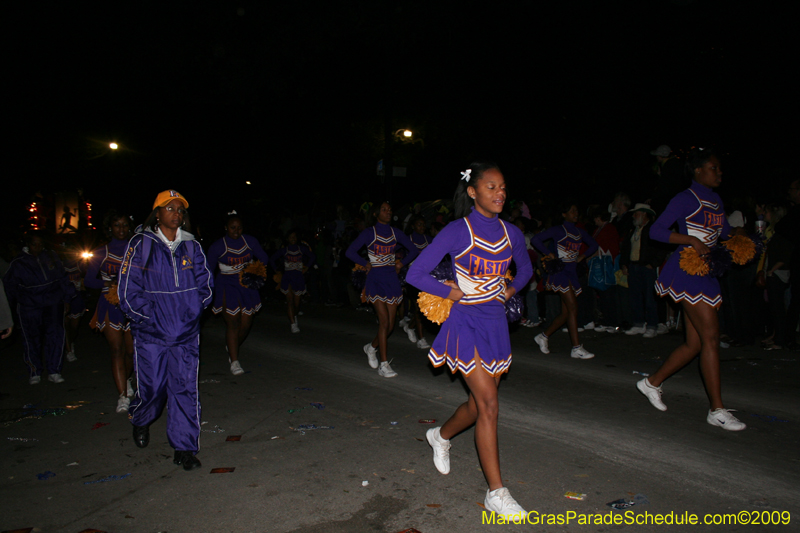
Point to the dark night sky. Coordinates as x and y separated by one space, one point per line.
293 95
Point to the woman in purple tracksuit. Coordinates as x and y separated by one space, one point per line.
109 319
474 339
568 239
37 284
382 288
164 285
238 304
702 223
293 260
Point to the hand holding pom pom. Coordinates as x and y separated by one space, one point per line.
552 265
742 248
435 308
111 295
253 276
692 263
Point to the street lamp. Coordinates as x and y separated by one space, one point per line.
113 146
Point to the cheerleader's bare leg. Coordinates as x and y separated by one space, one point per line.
291 304
568 316
121 344
386 314
702 336
481 409
233 324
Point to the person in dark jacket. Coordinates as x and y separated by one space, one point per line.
38 285
164 285
639 260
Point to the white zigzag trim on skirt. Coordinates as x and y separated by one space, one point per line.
694 300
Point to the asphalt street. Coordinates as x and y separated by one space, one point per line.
69 463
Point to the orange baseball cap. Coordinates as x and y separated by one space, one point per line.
165 197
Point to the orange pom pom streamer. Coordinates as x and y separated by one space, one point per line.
112 296
435 308
255 267
742 249
692 263
359 267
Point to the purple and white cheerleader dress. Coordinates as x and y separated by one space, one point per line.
104 266
295 257
568 239
482 249
699 212
231 257
382 281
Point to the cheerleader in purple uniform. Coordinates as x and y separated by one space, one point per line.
382 287
474 339
231 254
414 330
101 273
568 239
701 223
296 258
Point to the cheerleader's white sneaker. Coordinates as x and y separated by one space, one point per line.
236 369
422 344
579 352
441 450
724 419
372 356
410 332
503 504
542 341
653 394
123 403
130 387
295 328
386 371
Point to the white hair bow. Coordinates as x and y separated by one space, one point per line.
466 175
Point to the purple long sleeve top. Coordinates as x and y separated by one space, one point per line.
698 211
381 241
568 239
104 265
475 244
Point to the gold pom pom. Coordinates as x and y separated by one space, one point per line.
255 267
692 263
111 295
435 308
359 267
742 248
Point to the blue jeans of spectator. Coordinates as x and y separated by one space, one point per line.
608 306
776 293
641 283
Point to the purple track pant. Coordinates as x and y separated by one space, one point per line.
35 323
168 374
